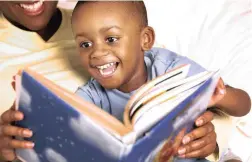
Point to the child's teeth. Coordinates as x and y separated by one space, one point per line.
104 71
105 66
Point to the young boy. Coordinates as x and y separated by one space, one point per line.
115 46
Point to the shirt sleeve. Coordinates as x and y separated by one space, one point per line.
164 60
94 93
84 92
90 93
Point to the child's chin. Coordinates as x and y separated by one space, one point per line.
109 86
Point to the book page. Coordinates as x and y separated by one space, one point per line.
171 90
158 90
166 99
174 74
143 122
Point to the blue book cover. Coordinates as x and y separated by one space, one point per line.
63 133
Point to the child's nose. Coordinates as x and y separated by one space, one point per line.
99 52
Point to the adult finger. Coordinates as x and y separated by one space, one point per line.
201 153
178 140
9 143
9 130
13 84
170 147
198 144
166 151
8 154
198 133
10 116
204 118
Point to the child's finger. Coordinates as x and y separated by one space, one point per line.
220 91
220 88
10 116
9 130
204 118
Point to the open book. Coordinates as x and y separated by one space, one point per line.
67 128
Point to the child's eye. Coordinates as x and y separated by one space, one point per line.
85 44
111 39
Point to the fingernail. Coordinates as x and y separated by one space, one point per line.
18 116
29 144
181 156
27 133
181 151
186 140
199 122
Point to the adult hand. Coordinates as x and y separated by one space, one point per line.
200 142
7 131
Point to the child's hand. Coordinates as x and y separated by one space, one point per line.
7 131
200 142
218 94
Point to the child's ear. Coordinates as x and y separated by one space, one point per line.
147 38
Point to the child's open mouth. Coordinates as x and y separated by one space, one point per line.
108 69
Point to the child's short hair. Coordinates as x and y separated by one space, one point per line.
138 5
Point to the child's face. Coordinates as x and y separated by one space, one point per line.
110 41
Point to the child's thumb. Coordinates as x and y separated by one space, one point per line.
221 91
